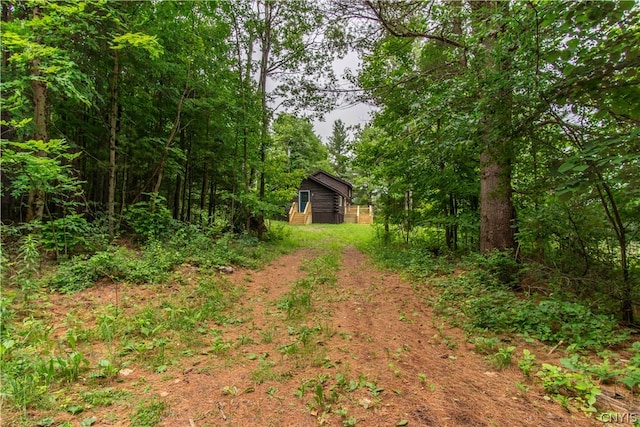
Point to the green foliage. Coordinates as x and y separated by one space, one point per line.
28 263
501 268
69 234
536 83
483 345
148 414
145 41
499 356
527 362
480 305
150 220
631 378
27 375
79 273
40 166
339 149
157 259
502 357
31 39
569 386
107 370
302 149
70 367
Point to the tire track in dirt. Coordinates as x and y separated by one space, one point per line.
430 375
198 395
383 331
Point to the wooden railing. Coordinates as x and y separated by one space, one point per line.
359 214
307 213
302 218
293 210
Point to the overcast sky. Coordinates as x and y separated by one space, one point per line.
351 114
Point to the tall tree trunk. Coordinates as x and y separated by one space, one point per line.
497 214
451 227
123 186
165 153
35 209
187 172
262 90
613 215
212 202
189 178
7 130
113 124
204 190
496 208
176 197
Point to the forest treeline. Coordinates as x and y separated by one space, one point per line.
500 126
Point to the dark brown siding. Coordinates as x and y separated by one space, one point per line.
324 203
340 186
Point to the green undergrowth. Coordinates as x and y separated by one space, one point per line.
36 366
186 317
578 380
155 260
483 296
477 307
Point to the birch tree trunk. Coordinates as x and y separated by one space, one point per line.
262 90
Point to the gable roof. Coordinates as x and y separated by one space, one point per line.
331 182
335 178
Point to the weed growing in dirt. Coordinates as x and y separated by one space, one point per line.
502 357
266 372
104 397
476 306
107 369
326 392
321 270
296 303
566 387
272 392
527 363
33 364
148 414
346 419
486 346
230 390
220 346
267 336
523 388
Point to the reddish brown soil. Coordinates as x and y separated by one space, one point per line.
375 327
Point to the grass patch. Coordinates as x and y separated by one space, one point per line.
148 414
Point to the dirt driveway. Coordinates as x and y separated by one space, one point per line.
316 337
373 355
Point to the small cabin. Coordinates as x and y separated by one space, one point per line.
324 199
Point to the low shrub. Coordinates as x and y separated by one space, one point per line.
80 273
482 307
149 221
